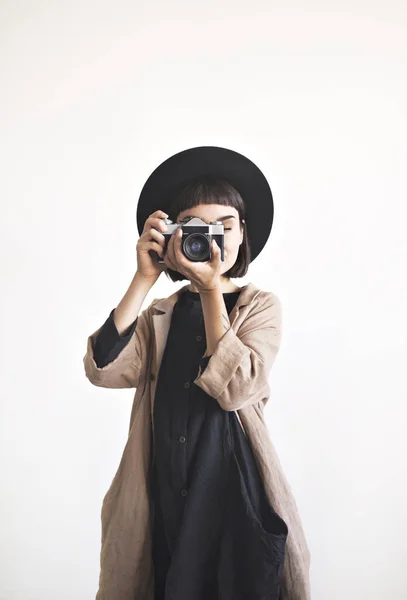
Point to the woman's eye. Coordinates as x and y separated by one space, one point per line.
226 228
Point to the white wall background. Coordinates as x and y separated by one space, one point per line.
94 95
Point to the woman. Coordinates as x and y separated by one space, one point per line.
215 533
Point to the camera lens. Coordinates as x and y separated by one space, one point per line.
196 247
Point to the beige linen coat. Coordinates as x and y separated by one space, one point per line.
237 376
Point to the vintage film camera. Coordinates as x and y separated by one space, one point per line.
196 238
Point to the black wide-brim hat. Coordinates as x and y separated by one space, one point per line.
171 176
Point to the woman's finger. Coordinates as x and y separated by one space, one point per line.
170 250
169 256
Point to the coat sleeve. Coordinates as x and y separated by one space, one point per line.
236 373
124 370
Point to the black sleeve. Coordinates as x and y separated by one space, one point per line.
109 343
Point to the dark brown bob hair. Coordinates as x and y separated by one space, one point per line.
211 190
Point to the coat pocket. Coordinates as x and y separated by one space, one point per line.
271 527
252 544
258 507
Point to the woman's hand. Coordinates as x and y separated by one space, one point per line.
204 275
151 239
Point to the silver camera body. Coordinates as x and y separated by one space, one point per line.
196 238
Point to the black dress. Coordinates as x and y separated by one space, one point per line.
216 536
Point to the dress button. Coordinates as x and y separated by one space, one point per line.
182 439
184 492
152 376
198 338
186 384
